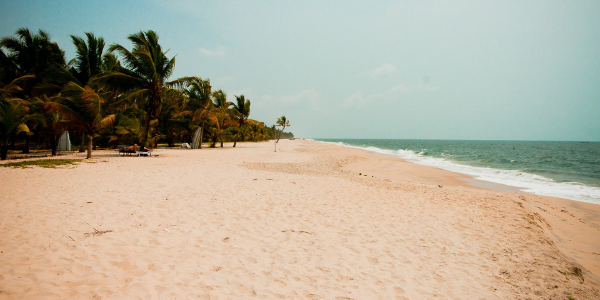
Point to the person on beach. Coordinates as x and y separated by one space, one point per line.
133 148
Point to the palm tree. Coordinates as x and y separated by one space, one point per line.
283 121
242 112
88 59
173 124
8 70
32 53
56 117
91 109
202 116
255 134
13 116
198 94
242 108
235 132
128 129
220 114
197 105
88 63
144 76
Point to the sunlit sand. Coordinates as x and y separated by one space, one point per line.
311 221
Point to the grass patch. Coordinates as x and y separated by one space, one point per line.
44 163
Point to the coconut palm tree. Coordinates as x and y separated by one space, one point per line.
198 92
92 110
241 112
197 105
56 116
88 60
32 53
128 129
220 114
13 116
144 75
235 132
88 63
242 108
8 70
283 121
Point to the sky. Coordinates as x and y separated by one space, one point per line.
470 70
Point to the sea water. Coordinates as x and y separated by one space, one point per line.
568 170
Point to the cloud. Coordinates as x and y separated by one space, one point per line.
220 51
309 97
358 100
385 69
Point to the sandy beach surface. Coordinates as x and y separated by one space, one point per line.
311 221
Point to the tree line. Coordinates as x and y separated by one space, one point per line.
111 96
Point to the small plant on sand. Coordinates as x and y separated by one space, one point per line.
44 163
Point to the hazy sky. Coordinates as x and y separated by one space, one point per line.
387 69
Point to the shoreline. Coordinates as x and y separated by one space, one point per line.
299 223
554 210
483 183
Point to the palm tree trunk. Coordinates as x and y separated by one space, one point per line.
280 133
3 151
54 145
26 148
221 139
214 141
82 144
201 132
146 129
235 141
89 146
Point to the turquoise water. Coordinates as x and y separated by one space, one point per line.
562 169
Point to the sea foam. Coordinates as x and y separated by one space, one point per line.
529 183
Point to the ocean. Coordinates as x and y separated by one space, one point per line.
568 170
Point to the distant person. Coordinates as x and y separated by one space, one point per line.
133 148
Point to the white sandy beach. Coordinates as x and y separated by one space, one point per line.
246 222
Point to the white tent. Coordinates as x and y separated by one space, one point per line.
64 143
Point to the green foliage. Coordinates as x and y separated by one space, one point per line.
88 61
44 163
110 95
32 53
143 79
283 122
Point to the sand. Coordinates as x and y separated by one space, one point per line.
312 221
